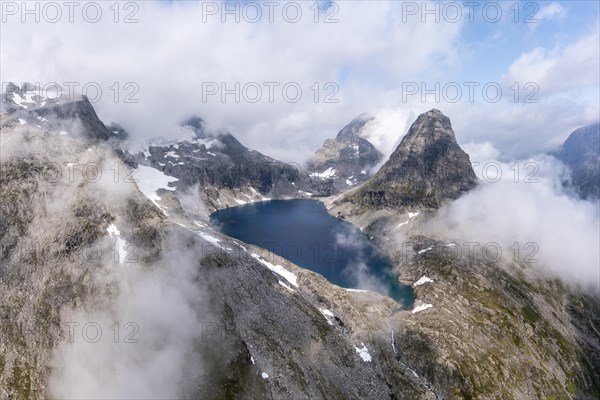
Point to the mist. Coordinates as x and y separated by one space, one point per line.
143 345
531 207
358 271
137 331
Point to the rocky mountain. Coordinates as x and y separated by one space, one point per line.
225 172
479 321
61 111
427 168
113 246
88 242
347 160
581 153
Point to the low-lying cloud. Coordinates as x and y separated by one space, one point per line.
566 229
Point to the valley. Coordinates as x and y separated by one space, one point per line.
251 323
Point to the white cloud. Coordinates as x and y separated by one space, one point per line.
171 52
370 52
565 229
569 67
552 11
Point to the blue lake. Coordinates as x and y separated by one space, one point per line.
303 232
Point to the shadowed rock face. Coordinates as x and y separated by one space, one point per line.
347 160
581 152
220 161
427 168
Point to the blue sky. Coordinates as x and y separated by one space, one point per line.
497 45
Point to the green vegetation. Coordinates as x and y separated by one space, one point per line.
531 316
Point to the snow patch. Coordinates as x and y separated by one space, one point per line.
357 290
121 252
327 314
18 100
22 121
278 269
285 286
149 180
209 238
424 250
422 307
264 375
410 216
328 173
422 280
363 353
206 142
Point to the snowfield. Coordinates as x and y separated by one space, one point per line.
149 180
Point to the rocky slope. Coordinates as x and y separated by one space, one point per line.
486 329
495 328
88 245
581 153
220 319
223 171
427 168
347 160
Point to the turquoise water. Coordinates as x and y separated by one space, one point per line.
303 232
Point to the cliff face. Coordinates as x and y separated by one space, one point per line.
581 153
427 168
347 160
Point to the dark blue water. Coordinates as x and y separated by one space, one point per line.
303 232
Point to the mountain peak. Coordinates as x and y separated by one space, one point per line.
348 159
354 127
30 96
431 126
427 168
